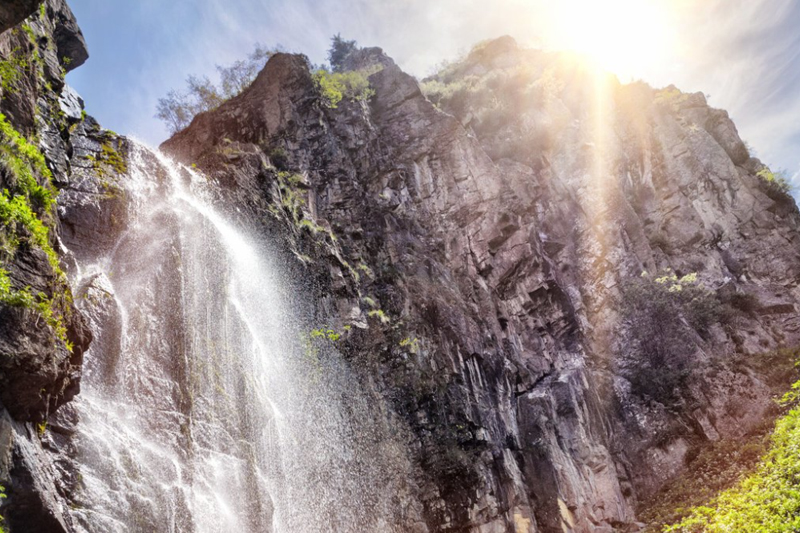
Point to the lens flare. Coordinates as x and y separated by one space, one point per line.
621 36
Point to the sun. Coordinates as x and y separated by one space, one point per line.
621 36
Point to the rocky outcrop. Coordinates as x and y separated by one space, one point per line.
15 11
42 334
481 257
481 241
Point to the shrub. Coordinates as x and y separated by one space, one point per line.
279 158
11 70
335 86
177 109
661 313
777 184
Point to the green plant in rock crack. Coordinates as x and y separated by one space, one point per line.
108 158
12 70
26 210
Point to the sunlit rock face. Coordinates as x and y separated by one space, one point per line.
497 233
444 277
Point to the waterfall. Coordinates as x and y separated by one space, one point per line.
205 406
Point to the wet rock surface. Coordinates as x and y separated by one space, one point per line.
477 252
498 252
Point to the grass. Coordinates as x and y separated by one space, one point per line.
775 180
108 157
23 212
751 485
766 501
11 71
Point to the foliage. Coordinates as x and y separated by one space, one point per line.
325 333
670 96
411 344
333 87
767 501
279 158
11 70
380 315
21 212
3 496
18 208
24 298
177 109
237 77
661 313
108 157
339 50
777 182
292 199
718 466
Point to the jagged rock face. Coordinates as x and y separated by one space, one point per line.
499 242
40 369
15 11
479 253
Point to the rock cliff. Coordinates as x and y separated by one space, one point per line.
483 247
503 249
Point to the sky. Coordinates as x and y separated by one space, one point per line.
744 54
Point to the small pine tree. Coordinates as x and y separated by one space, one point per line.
339 50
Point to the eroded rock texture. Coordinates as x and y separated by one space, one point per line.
481 255
40 366
478 243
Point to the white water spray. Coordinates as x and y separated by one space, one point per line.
201 410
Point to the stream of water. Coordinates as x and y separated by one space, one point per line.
204 408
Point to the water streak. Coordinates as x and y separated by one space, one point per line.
202 409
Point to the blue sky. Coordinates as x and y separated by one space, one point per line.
744 54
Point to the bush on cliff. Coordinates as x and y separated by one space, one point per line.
662 314
178 108
335 86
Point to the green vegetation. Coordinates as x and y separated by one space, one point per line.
325 333
108 157
670 96
316 229
717 467
494 99
30 33
411 344
177 109
22 211
365 269
18 209
24 298
3 496
714 467
315 339
11 71
333 87
660 313
279 158
775 181
380 315
766 501
292 199
339 50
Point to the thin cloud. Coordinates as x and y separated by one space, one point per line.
746 54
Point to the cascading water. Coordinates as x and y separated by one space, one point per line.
202 407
